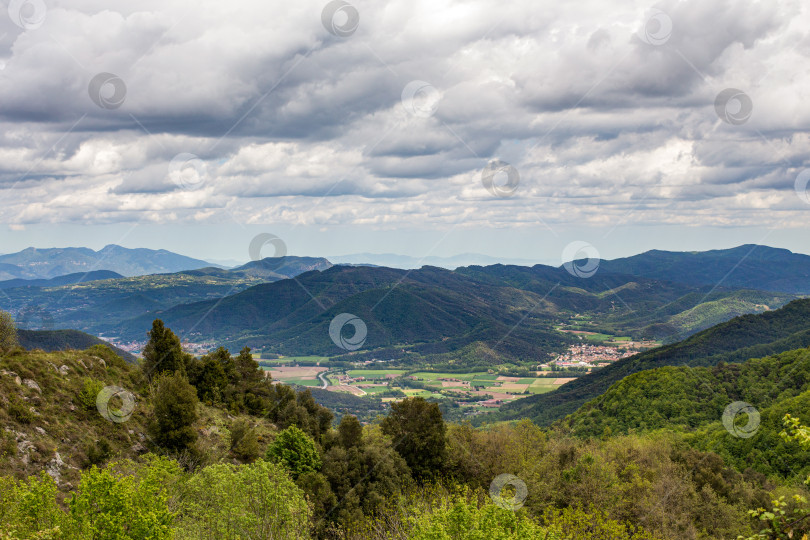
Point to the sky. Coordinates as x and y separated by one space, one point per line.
511 129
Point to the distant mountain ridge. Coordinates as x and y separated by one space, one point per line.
69 279
95 305
33 263
748 266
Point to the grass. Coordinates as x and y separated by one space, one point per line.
460 376
370 373
304 359
540 389
598 337
302 381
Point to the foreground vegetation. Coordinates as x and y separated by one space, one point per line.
205 448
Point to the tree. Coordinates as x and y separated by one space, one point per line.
163 352
175 410
350 432
248 372
417 430
113 504
294 450
8 333
246 501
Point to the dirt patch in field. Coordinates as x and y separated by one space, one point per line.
564 380
303 372
508 379
455 384
350 389
515 387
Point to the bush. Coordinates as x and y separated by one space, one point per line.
244 442
19 411
174 412
98 452
89 393
243 501
8 333
294 450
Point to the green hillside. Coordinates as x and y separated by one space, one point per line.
686 398
63 340
748 336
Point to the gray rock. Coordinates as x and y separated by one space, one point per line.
63 370
54 467
32 384
39 430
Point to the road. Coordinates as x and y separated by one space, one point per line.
323 379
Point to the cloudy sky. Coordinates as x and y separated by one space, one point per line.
417 127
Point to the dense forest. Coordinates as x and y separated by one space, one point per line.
208 447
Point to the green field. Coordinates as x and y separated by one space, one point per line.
540 389
598 337
294 359
302 381
373 389
371 373
460 376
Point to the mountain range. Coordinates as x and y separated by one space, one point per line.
478 313
748 266
33 263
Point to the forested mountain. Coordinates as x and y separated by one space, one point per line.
748 266
686 398
739 339
96 306
33 263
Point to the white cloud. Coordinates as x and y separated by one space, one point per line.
295 125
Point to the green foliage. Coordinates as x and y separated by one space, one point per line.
113 504
18 410
244 442
227 502
688 398
98 452
458 519
575 523
89 393
174 413
163 352
8 333
123 501
417 430
295 451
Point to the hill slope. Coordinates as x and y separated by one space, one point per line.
739 339
63 340
685 398
748 266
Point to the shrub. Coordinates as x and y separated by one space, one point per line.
294 450
243 501
19 411
89 393
244 442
